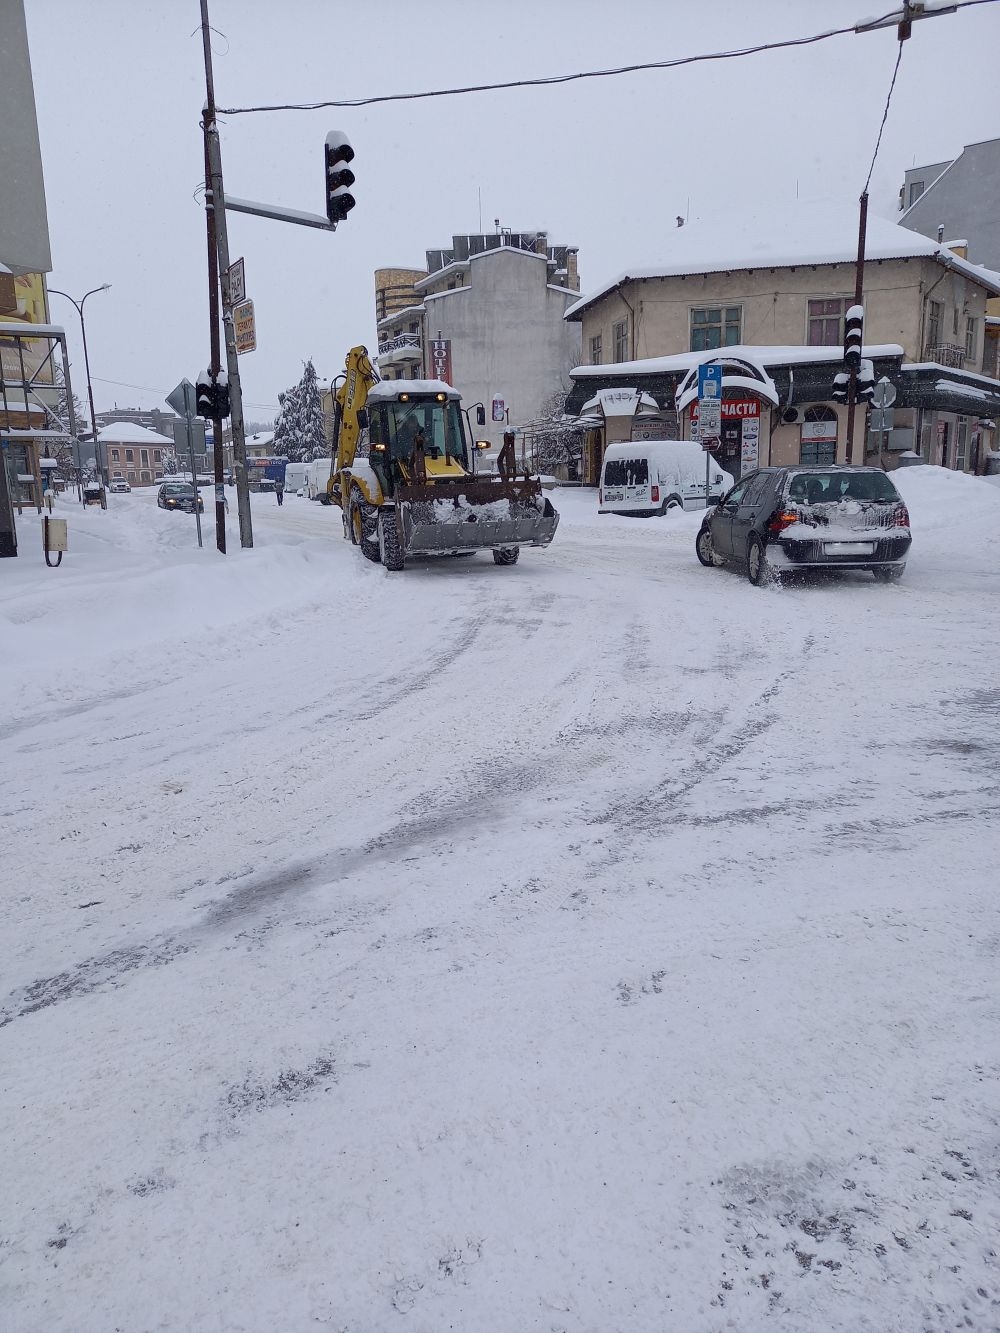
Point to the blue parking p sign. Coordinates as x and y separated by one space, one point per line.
709 382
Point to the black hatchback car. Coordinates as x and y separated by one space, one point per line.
782 519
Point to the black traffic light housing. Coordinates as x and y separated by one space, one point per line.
853 337
339 177
213 396
840 382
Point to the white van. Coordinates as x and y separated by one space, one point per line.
295 477
317 475
652 476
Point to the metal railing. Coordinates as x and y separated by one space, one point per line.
945 354
405 342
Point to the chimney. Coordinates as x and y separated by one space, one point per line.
572 275
542 244
940 232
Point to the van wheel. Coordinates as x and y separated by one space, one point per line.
507 555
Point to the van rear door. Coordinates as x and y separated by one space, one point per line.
626 481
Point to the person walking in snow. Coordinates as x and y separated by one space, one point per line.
279 490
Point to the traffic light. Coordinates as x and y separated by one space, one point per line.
339 176
853 337
866 382
213 396
840 382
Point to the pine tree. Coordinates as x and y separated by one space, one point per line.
298 432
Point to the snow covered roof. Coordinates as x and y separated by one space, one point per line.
799 235
125 432
764 356
621 402
461 265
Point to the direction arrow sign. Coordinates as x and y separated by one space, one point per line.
245 328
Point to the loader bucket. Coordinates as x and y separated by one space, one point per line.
473 516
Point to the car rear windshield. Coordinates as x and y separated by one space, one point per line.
626 472
828 487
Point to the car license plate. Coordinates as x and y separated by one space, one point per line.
849 548
614 497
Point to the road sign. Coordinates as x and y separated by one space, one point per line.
183 399
237 283
884 393
245 328
882 418
709 402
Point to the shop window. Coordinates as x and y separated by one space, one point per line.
818 443
825 322
595 351
962 444
970 339
620 335
715 326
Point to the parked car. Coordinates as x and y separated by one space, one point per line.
650 477
179 495
119 486
782 519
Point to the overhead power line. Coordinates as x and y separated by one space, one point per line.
896 15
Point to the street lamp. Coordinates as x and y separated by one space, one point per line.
102 466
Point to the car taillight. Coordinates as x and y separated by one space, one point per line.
901 518
781 519
655 493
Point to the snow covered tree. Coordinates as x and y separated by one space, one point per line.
298 432
554 440
169 462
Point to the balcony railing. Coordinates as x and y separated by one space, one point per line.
945 354
404 348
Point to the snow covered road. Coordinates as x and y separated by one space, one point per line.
595 944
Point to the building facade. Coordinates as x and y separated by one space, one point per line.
134 453
487 316
782 301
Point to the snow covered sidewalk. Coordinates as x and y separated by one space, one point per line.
599 943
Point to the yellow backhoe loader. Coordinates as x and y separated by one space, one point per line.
403 474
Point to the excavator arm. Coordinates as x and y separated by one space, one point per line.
351 398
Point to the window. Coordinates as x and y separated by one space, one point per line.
718 326
934 312
954 322
595 351
156 455
825 329
626 472
114 455
145 476
970 339
129 455
962 444
916 190
620 335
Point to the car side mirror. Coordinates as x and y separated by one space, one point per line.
480 415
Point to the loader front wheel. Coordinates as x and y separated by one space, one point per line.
390 548
363 522
506 555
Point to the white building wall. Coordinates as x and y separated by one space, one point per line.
508 336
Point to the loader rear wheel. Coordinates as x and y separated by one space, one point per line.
506 555
390 548
363 522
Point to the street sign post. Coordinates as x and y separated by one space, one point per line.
184 400
245 328
709 416
882 418
237 282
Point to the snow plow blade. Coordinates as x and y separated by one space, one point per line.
474 516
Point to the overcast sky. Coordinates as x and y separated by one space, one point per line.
603 164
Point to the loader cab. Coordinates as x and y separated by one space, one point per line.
399 422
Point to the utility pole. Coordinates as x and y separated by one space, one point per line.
215 203
215 364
